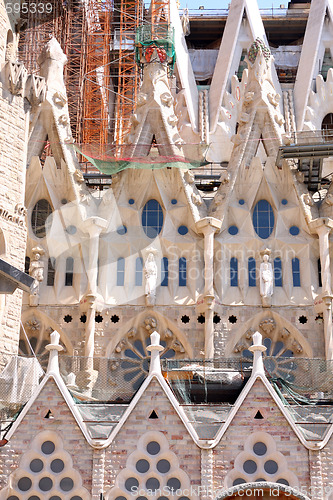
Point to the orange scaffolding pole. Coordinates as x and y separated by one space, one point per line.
128 76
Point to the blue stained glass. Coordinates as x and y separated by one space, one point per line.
165 271
277 271
174 201
233 230
294 230
122 230
296 272
182 271
284 202
131 201
252 271
241 201
233 272
120 271
152 218
183 230
138 271
263 219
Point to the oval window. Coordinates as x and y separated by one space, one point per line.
263 219
152 218
39 216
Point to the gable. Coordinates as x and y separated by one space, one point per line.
38 420
168 423
273 423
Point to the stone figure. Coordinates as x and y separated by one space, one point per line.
150 271
36 270
266 280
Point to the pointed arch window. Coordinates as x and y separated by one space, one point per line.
182 271
263 219
50 271
278 272
233 272
296 272
165 271
152 218
319 273
138 271
69 271
251 263
120 271
39 216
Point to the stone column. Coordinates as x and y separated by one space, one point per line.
323 228
207 474
98 474
208 226
93 226
316 478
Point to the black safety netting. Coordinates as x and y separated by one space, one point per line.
102 388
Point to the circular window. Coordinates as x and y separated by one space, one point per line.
67 484
153 448
131 201
119 498
174 201
122 230
263 219
239 480
142 498
13 497
45 484
24 484
283 481
294 230
76 497
233 230
260 449
163 466
250 467
48 447
271 467
55 497
152 218
36 465
142 466
183 230
71 229
152 484
241 201
173 484
34 497
260 480
57 465
39 216
284 202
131 483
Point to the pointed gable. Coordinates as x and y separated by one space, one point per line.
283 454
62 430
168 423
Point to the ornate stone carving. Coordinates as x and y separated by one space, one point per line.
150 272
16 77
267 325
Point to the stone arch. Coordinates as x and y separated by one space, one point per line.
164 326
36 321
282 327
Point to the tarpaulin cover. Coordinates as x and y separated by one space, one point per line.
108 164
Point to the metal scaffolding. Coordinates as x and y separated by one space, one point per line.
130 16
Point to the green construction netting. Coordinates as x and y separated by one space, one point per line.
160 37
107 163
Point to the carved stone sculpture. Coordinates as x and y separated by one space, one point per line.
150 271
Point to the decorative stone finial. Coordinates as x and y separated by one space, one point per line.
155 348
257 349
54 348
